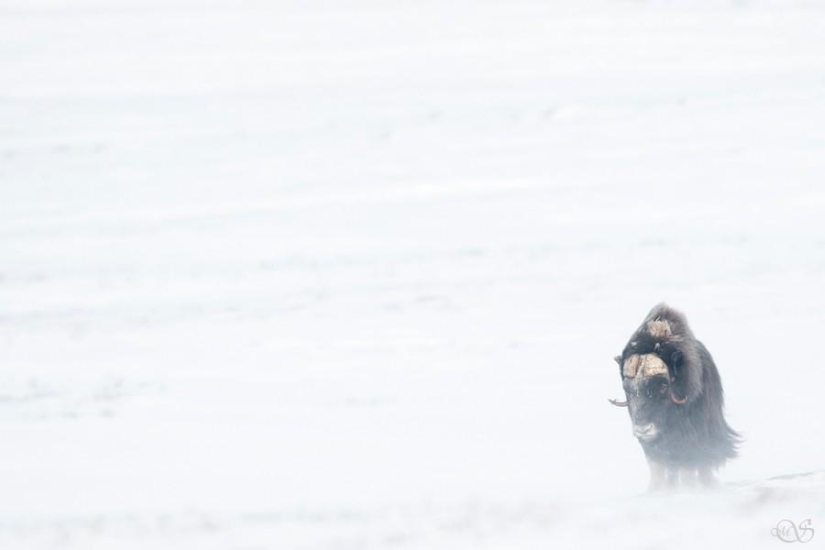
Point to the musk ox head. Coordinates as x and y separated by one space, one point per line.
674 396
647 384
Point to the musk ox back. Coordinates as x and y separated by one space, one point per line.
675 399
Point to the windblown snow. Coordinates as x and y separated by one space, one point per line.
338 275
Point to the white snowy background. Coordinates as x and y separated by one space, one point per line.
350 275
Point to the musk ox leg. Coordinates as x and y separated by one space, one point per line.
687 477
658 476
707 478
673 477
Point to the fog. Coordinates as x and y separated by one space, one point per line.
351 275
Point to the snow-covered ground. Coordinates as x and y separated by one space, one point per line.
350 275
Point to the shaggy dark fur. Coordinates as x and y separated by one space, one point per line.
693 435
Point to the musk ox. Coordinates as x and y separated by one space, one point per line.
675 399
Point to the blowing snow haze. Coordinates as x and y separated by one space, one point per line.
335 275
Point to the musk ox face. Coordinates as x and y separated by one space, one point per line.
646 382
674 396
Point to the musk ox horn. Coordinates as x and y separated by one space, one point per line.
618 403
677 400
